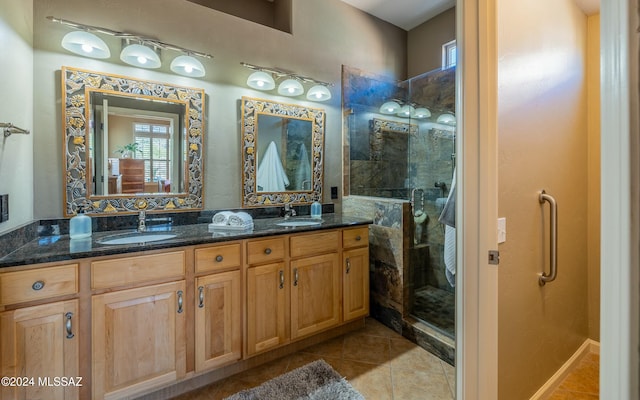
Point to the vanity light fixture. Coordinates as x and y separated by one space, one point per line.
187 66
139 55
422 113
85 44
265 79
407 111
447 119
139 51
390 107
261 80
290 87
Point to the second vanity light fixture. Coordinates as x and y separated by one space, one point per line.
265 79
137 50
395 107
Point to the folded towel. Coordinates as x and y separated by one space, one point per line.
221 218
240 218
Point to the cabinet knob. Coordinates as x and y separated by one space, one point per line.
37 285
219 258
267 251
358 238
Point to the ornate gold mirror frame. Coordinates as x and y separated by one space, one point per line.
252 109
77 86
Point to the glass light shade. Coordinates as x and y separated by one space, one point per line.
319 93
390 107
290 87
406 111
447 119
261 80
187 66
140 56
422 113
85 44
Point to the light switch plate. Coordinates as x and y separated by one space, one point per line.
502 230
4 207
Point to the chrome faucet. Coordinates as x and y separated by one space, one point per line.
142 223
289 211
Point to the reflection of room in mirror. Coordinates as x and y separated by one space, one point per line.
284 154
135 145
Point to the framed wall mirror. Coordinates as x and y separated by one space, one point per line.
282 153
130 145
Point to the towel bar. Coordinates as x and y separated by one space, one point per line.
553 238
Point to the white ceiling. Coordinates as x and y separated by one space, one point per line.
407 14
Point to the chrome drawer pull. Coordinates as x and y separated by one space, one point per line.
281 279
67 324
200 296
37 285
219 258
267 251
295 277
348 265
358 238
180 302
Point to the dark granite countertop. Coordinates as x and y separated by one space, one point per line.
62 248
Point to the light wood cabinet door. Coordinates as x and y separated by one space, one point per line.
218 320
138 339
315 294
355 266
267 293
40 342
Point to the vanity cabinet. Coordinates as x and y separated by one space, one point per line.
218 310
139 333
355 262
39 342
295 285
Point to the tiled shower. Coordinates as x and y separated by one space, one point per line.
399 173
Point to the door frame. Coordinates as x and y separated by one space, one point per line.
476 317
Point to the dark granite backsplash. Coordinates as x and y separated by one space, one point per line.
17 237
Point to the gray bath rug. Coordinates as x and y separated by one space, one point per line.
316 381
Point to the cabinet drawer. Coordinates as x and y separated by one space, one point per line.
355 237
218 257
316 243
267 250
35 284
130 270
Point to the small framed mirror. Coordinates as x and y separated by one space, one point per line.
282 153
130 145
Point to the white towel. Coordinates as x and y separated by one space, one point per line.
271 176
221 218
303 173
448 215
240 219
450 254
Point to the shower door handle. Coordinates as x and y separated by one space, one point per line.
553 238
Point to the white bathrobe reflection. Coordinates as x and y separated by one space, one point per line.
271 176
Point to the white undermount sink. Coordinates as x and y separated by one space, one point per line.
131 238
300 222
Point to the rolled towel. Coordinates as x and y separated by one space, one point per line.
221 218
240 218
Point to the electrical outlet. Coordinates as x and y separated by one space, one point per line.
4 207
334 192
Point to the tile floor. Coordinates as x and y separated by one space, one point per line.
379 363
582 383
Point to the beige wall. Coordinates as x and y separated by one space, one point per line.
542 144
424 42
326 34
16 81
593 165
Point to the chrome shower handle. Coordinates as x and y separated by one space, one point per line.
553 238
